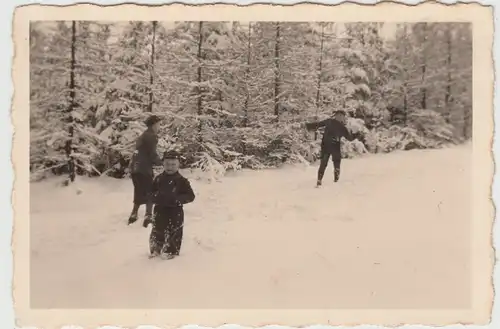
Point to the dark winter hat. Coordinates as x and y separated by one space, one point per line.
152 120
171 155
341 112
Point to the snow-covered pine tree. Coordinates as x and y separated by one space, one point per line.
402 68
378 60
50 57
129 93
356 90
69 146
360 54
418 77
319 77
92 77
461 75
362 58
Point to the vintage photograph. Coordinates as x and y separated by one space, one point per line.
252 164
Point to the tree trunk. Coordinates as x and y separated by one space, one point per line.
151 69
467 123
405 79
199 80
71 130
277 73
318 86
447 96
424 68
405 108
247 74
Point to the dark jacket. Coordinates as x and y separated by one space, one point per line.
334 131
171 190
145 156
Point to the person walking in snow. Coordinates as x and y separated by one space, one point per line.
335 129
170 192
141 169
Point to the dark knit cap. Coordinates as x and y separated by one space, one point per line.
152 120
342 112
171 155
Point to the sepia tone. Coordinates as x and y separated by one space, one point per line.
396 231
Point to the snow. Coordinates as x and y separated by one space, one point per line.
393 233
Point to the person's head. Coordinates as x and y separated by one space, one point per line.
171 162
340 116
153 122
156 127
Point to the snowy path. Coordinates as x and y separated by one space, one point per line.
392 234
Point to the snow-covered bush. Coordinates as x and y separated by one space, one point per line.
426 129
388 140
432 126
356 126
353 149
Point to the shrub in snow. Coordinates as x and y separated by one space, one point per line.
433 127
356 126
426 129
395 138
210 166
353 148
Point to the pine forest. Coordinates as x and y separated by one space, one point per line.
235 95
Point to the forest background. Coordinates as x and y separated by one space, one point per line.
234 95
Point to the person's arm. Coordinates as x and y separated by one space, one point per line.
151 142
131 163
316 125
186 193
134 157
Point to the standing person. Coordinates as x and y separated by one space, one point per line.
141 169
170 192
335 129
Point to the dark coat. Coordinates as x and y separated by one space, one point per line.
145 156
334 131
171 190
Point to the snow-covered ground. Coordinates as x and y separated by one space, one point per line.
393 233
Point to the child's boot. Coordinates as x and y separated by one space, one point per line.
148 219
154 254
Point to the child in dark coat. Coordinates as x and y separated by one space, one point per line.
170 192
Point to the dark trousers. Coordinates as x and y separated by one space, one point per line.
168 227
336 159
142 188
